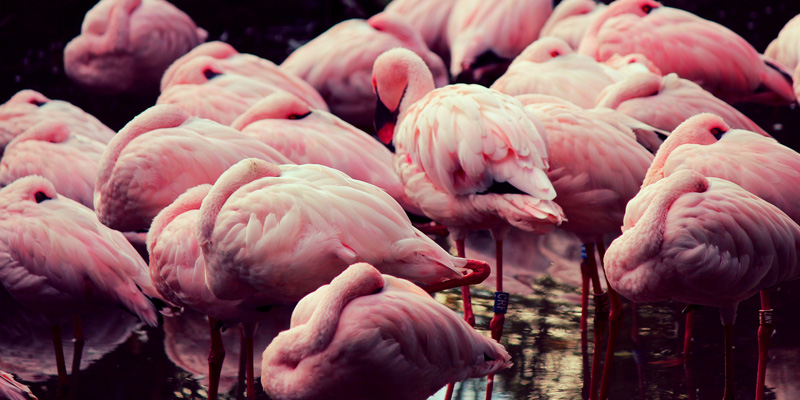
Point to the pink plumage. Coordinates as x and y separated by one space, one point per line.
696 49
570 19
126 45
57 258
429 18
785 49
50 150
339 61
29 107
665 102
284 231
10 389
368 336
549 66
484 36
312 136
702 241
159 155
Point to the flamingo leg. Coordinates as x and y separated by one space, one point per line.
215 358
501 300
61 365
764 335
688 331
249 330
584 303
728 395
242 378
614 323
600 319
469 316
80 341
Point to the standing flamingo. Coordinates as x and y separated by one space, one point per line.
665 102
367 336
160 154
59 260
570 19
761 165
695 48
126 45
301 225
703 241
29 107
338 62
307 135
50 150
216 58
429 18
178 271
470 157
484 36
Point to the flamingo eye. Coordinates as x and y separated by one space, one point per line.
40 197
209 74
647 8
717 133
298 116
554 54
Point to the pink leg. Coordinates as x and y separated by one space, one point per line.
688 332
61 365
241 379
614 321
469 316
764 335
728 363
249 330
215 358
600 320
501 300
584 304
77 352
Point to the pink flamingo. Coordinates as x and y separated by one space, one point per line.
159 155
50 150
718 59
550 66
703 241
484 36
367 336
126 45
429 18
470 158
595 168
59 260
665 102
785 49
570 19
302 226
217 58
29 107
178 271
339 61
312 136
761 165
10 389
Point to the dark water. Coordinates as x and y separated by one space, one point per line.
124 360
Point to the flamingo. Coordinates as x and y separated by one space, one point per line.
550 66
695 48
665 102
160 154
484 36
29 107
301 225
10 389
470 157
50 150
367 336
126 45
178 270
761 165
703 241
595 168
307 135
570 19
221 58
429 18
59 260
785 49
338 62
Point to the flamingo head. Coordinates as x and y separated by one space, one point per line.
27 190
475 61
276 105
636 7
544 49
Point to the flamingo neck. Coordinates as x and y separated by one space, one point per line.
420 82
191 200
635 86
651 225
656 171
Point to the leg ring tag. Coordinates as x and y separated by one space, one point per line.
501 300
765 317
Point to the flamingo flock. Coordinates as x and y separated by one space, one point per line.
278 198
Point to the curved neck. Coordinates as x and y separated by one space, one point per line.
656 170
650 233
191 200
632 87
157 117
420 83
317 333
238 175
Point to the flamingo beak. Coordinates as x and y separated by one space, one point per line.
385 121
479 271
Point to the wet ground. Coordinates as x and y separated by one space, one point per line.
126 361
